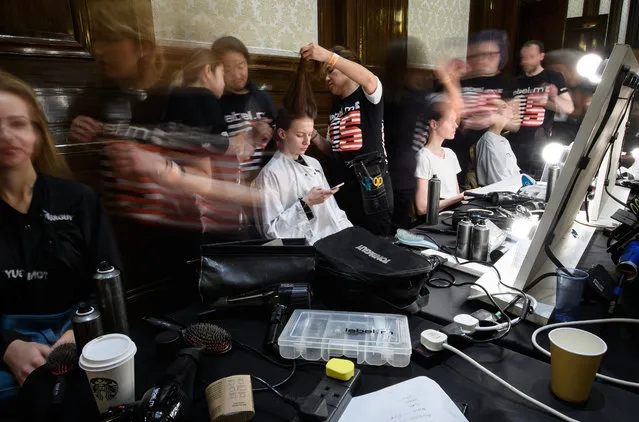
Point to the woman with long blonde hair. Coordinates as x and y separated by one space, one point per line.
53 234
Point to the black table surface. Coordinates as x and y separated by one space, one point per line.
486 399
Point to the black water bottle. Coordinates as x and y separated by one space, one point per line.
434 191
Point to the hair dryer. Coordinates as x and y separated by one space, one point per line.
280 299
170 399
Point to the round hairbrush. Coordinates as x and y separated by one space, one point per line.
211 338
62 359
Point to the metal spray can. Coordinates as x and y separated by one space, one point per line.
434 193
112 301
87 325
479 242
464 229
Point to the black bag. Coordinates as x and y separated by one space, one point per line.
371 272
372 174
228 269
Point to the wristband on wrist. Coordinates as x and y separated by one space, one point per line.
333 60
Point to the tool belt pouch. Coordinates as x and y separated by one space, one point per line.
372 174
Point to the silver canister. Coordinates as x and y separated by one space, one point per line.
464 229
434 193
112 301
87 325
479 242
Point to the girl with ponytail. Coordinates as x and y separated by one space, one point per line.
297 199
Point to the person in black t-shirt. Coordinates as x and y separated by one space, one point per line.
541 93
356 127
487 55
245 107
53 235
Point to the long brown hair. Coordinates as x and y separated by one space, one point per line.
193 65
298 100
45 160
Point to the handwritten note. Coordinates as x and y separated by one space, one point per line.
419 399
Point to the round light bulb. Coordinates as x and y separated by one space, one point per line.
635 153
588 65
552 153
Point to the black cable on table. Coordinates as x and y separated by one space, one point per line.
452 283
279 384
273 388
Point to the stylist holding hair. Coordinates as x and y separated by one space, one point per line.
355 139
53 234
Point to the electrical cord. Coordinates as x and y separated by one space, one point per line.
614 197
521 295
279 384
528 287
268 387
607 181
507 385
502 313
587 322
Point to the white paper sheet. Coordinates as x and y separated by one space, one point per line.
419 399
511 184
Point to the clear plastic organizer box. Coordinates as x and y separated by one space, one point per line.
373 339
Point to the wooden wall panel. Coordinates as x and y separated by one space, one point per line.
495 14
45 28
364 26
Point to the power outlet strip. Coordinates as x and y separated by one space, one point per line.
329 400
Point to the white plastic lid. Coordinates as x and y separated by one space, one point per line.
107 352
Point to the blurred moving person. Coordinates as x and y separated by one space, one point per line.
355 139
298 201
495 158
541 93
191 110
487 56
128 63
581 90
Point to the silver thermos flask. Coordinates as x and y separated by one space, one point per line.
464 229
434 191
479 242
87 325
112 301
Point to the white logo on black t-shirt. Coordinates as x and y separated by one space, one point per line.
59 217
